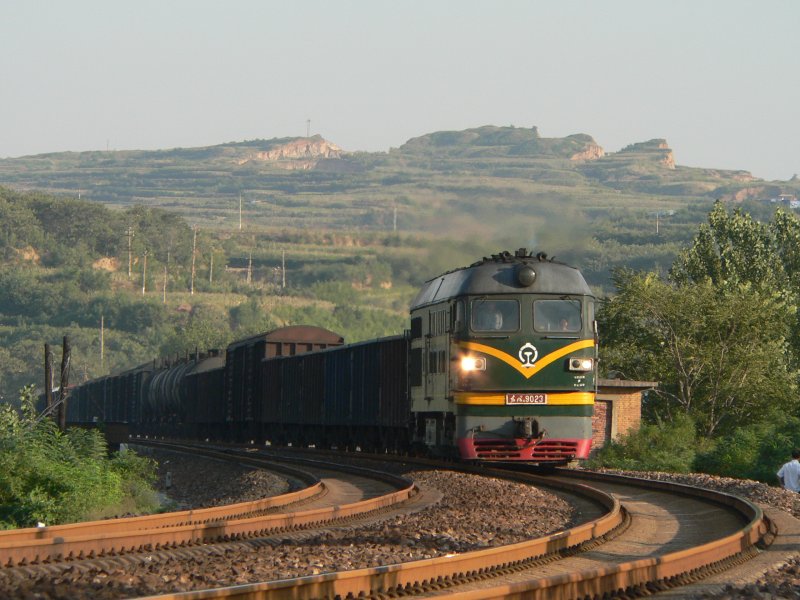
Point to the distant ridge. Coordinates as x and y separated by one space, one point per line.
504 141
287 180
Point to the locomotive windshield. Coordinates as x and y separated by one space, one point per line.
495 315
557 315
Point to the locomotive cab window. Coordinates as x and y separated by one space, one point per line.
563 315
495 315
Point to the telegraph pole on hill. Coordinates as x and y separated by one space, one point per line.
129 234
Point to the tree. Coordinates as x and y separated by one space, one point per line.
206 328
734 249
249 318
731 249
720 354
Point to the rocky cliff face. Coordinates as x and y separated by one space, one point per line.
668 158
656 149
303 152
591 152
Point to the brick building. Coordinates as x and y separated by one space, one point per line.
617 409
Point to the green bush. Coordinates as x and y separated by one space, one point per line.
58 477
755 451
661 446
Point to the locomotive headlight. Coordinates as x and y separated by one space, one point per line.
526 275
473 363
581 364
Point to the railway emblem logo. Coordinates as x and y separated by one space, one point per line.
528 355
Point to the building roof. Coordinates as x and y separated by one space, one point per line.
626 384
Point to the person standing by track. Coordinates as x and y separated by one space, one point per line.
789 473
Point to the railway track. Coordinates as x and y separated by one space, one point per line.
327 496
653 536
646 536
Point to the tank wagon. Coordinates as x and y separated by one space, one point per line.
499 364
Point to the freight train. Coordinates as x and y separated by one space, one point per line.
499 364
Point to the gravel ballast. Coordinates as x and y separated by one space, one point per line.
474 513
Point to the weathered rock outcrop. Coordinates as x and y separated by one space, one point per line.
591 152
657 149
305 150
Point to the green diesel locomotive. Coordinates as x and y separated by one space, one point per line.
503 361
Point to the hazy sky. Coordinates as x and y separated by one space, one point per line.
720 80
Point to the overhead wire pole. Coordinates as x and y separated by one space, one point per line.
102 341
144 273
66 356
129 234
194 254
48 377
166 267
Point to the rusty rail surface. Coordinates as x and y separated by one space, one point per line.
119 536
631 578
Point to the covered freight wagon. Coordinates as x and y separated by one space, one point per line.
350 396
205 389
244 394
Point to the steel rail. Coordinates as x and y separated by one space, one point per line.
313 487
111 537
644 576
426 577
406 575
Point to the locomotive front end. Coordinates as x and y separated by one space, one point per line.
521 360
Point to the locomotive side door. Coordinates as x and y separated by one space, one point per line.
437 357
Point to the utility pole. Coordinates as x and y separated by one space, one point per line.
250 268
102 340
129 233
240 211
144 273
166 274
194 253
283 268
48 377
66 355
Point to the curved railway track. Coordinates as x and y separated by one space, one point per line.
653 536
327 496
646 536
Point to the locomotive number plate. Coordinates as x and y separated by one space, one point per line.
526 398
